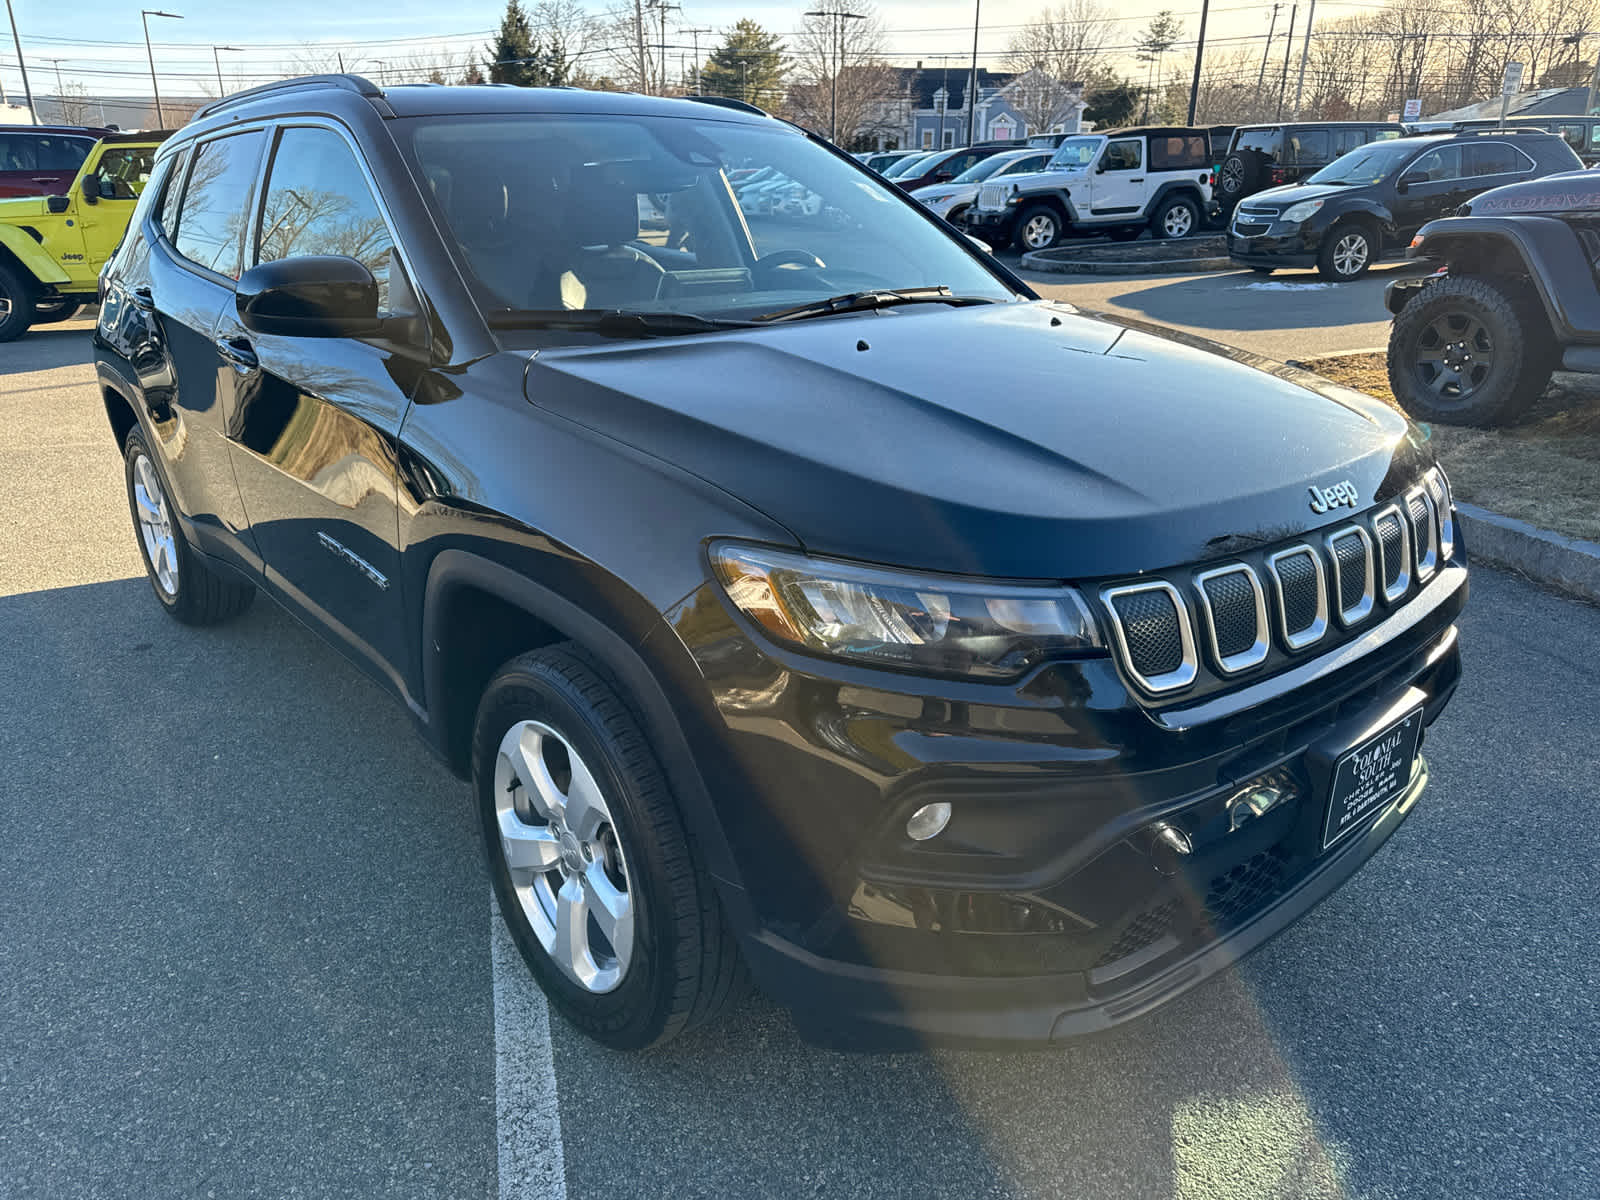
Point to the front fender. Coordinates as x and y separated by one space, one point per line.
31 255
1546 249
1060 196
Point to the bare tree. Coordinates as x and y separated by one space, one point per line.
1066 43
839 81
73 103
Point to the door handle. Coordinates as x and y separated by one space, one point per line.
239 352
1138 180
142 299
46 179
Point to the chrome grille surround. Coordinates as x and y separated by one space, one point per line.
1363 607
1189 666
1443 511
1402 580
1313 632
1424 532
1232 664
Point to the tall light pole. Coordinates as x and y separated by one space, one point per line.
840 16
1199 53
144 16
22 66
972 91
216 58
1305 53
60 89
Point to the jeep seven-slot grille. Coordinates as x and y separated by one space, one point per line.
1231 614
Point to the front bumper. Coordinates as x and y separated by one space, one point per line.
1295 246
996 227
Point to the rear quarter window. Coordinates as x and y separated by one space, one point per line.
1307 146
1262 141
1179 151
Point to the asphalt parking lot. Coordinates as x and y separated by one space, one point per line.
246 945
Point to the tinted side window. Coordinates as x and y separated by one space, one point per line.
1122 155
212 218
1384 135
123 171
164 208
1573 135
1265 141
1178 151
318 202
1438 165
1346 140
1309 146
961 162
1495 158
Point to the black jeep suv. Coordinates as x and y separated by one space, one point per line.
776 633
1257 157
1369 203
1516 297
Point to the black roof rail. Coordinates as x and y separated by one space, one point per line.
348 82
730 102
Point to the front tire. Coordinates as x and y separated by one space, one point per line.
595 873
1347 251
1466 352
189 588
1175 218
1039 228
16 304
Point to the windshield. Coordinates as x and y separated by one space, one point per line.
671 214
980 171
1077 152
905 164
1370 164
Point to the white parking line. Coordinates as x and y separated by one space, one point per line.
526 1111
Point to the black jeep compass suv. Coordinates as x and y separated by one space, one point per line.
804 598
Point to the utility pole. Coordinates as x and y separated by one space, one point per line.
944 96
972 92
1272 28
27 91
662 7
144 16
60 89
1305 53
1288 47
1199 53
695 34
839 16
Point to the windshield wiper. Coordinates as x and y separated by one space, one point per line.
866 301
610 322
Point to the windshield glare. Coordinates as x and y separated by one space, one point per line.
1369 164
658 214
903 167
1076 152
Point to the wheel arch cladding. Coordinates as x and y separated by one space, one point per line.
120 413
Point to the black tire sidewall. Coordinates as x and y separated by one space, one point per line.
635 1014
15 289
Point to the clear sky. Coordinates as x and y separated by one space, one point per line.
99 42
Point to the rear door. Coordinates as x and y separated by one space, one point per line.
1490 164
40 164
1117 185
313 421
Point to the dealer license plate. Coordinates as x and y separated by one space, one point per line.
1369 776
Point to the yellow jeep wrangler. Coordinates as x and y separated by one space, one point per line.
52 247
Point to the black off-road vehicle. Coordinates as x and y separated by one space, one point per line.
1514 300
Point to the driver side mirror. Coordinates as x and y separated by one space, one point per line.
91 189
1407 180
318 295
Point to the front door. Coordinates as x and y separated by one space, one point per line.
1444 187
103 211
1118 183
313 421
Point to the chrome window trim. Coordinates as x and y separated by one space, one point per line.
1444 512
1426 565
1365 605
1232 664
1402 581
1314 632
1186 671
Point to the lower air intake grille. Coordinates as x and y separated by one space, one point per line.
1144 930
1235 894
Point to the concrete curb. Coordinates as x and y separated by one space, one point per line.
1166 266
1566 564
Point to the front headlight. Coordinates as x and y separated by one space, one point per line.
890 618
1300 212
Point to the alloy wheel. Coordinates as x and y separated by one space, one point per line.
1039 232
1232 176
1350 254
155 526
1177 221
562 850
1454 356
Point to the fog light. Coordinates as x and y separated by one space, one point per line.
928 821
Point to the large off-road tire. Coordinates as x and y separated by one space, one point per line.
597 878
188 587
16 303
1347 251
1470 351
1175 217
1039 227
1238 177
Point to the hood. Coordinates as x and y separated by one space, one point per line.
928 191
1281 198
22 208
1570 191
1016 440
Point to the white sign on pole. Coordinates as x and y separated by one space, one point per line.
1413 110
1512 83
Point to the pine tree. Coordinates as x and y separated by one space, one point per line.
747 66
514 55
1159 36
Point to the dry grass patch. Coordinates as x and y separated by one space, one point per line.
1545 471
